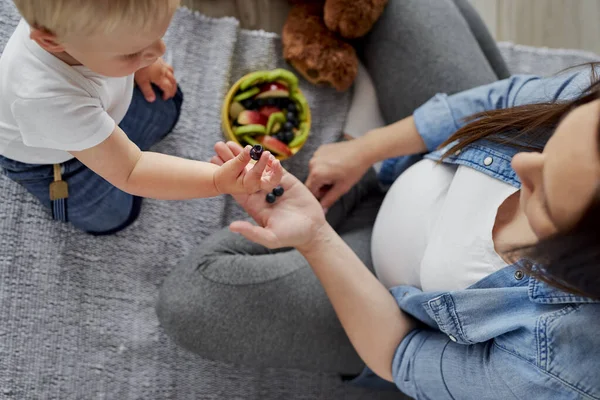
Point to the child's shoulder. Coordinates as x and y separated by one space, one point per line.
27 71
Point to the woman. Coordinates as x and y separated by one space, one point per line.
487 264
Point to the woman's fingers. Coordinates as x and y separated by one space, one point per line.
255 234
332 195
274 180
315 183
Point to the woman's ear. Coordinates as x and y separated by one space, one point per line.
47 40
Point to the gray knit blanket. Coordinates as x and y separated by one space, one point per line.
77 314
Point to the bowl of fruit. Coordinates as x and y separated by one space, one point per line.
267 108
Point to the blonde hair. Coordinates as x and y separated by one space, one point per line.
83 17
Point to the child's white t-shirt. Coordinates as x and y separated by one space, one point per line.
48 108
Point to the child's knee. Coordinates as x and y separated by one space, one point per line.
108 217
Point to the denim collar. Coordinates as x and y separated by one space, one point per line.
538 291
542 293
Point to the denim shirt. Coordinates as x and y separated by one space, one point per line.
509 336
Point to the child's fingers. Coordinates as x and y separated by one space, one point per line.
236 165
147 91
168 88
256 173
173 88
217 161
173 83
235 148
225 152
172 78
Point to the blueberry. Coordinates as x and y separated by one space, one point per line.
292 107
271 101
287 137
260 102
288 126
291 115
256 152
278 191
279 136
248 104
271 198
282 102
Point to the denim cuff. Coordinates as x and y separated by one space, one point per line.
435 122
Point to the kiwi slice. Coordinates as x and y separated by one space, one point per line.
275 118
250 130
246 95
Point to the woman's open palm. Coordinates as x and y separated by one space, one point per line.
292 221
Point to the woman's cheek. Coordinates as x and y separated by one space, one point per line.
539 220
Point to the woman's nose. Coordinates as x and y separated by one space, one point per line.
529 167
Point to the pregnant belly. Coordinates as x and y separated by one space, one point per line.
406 217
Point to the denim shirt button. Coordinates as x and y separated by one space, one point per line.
519 275
457 152
488 161
452 338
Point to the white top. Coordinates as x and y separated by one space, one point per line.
434 229
48 107
364 113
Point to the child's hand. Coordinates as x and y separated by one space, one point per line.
236 176
162 75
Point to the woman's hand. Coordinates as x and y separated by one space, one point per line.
335 168
293 221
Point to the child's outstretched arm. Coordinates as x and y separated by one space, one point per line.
164 177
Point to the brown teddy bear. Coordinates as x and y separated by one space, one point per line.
316 33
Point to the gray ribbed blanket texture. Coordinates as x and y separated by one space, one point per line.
77 314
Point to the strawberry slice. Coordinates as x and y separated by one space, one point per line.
268 110
248 117
274 145
273 89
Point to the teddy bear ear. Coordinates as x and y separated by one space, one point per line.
353 19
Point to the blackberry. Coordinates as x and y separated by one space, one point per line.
256 152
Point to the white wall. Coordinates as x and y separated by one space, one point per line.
551 23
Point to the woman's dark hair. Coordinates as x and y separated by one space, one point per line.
568 260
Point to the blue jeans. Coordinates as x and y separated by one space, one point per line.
94 205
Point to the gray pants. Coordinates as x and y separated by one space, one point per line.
234 301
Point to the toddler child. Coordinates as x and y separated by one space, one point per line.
84 95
